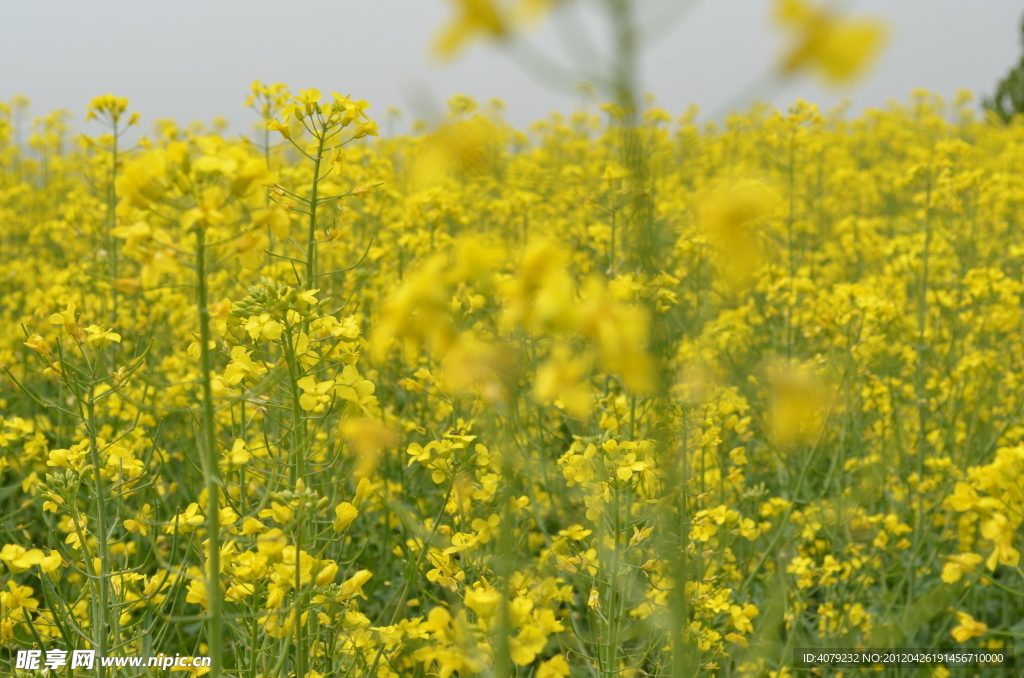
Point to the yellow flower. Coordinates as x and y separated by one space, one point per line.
368 128
196 592
314 395
733 217
141 521
351 110
264 327
228 517
1000 531
327 573
185 522
250 247
38 344
208 212
19 559
252 526
353 388
345 513
473 17
108 105
239 591
483 600
840 48
280 513
639 535
566 564
309 98
459 147
959 565
575 532
964 498
274 216
703 529
969 628
241 367
563 379
442 573
308 297
68 320
237 457
271 544
368 438
276 126
18 598
628 465
354 585
99 337
143 181
741 617
525 647
50 562
489 19
798 403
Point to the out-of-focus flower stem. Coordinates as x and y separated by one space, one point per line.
210 467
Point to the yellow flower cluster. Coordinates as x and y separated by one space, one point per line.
486 397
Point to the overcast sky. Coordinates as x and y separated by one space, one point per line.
195 59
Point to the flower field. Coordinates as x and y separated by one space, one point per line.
600 397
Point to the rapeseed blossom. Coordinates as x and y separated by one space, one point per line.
459 422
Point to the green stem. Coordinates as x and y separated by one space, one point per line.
210 471
611 669
300 651
311 238
790 223
922 400
100 631
297 467
111 223
611 249
503 569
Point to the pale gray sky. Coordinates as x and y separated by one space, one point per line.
195 59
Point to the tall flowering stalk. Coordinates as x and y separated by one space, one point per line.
194 191
110 111
331 125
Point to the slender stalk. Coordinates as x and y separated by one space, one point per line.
612 666
210 467
631 138
266 140
100 631
650 256
297 467
311 239
503 569
790 244
922 400
611 248
300 650
111 223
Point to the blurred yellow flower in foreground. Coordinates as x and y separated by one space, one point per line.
368 439
840 48
732 217
458 148
488 18
474 17
799 400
